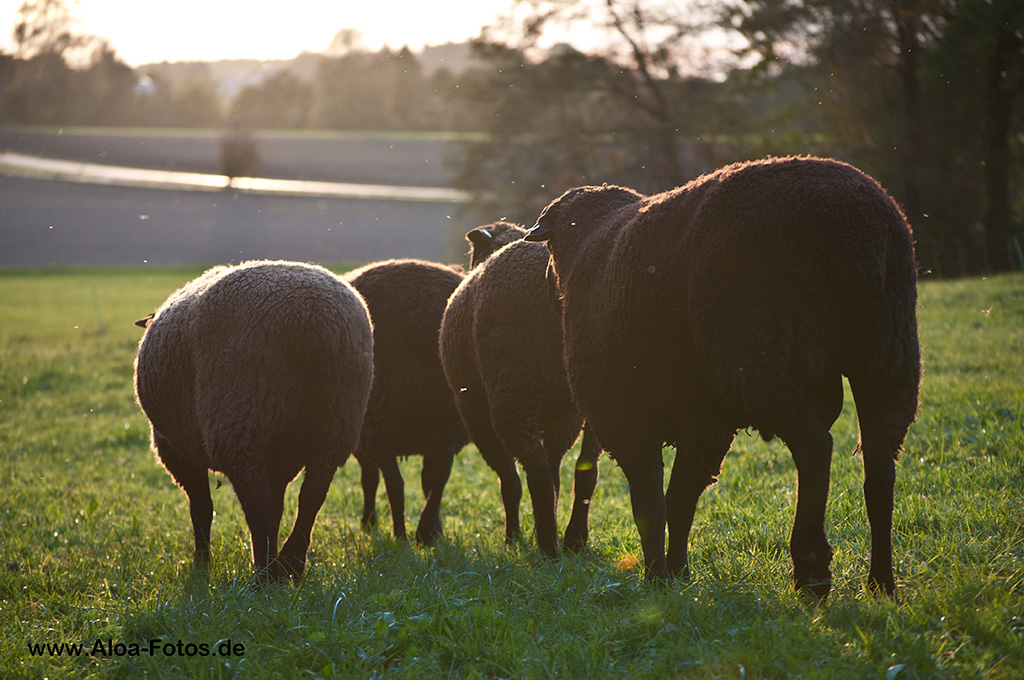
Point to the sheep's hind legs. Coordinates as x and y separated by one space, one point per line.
194 481
511 488
697 465
544 498
262 509
884 413
879 481
437 468
644 471
525 444
811 448
577 531
394 485
315 485
477 416
369 477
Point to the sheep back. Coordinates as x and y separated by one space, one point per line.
697 302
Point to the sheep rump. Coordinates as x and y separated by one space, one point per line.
411 410
740 300
257 371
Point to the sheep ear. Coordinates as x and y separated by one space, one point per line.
539 232
479 237
145 321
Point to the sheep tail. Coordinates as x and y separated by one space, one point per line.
875 251
879 279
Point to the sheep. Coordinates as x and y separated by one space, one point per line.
740 300
501 351
257 371
411 409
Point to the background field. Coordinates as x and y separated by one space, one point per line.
405 159
60 223
97 541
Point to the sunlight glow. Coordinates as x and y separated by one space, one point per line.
201 30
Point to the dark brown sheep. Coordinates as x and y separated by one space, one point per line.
740 300
502 354
411 410
257 371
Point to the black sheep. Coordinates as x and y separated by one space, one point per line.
740 300
411 409
502 354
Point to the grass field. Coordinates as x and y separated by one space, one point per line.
97 542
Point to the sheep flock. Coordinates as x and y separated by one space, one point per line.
739 300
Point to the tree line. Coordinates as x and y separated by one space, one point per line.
925 95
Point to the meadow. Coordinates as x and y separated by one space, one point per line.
95 571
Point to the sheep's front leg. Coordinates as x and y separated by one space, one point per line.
437 468
315 484
809 549
577 531
644 471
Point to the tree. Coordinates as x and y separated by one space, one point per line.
983 50
557 117
281 101
547 127
366 91
649 44
44 27
916 92
39 91
104 90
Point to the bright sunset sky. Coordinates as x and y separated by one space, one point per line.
144 31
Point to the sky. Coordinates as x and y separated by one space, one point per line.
146 31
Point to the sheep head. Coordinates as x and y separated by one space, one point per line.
579 206
483 241
567 221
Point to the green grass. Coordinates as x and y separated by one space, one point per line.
97 542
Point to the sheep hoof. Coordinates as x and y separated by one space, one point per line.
288 566
551 552
820 587
886 585
428 536
575 542
659 580
273 574
201 563
512 542
682 574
